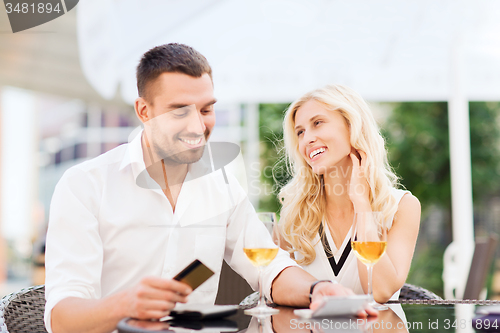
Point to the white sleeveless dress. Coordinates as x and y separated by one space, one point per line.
348 275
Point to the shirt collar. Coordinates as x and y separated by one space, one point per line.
133 156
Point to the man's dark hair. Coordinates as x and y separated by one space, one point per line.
169 58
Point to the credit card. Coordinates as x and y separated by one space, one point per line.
194 274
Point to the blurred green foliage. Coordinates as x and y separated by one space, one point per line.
274 174
418 146
485 149
418 149
427 268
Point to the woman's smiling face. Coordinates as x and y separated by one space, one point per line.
323 137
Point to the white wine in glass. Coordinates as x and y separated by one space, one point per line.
369 242
261 257
261 245
369 252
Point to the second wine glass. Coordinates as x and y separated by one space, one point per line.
261 245
369 242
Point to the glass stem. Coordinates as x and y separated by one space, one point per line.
262 298
370 282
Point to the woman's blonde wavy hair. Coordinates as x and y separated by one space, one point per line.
303 197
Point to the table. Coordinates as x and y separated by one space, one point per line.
399 318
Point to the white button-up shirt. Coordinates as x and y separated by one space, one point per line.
111 225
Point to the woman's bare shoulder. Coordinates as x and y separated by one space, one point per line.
409 202
409 210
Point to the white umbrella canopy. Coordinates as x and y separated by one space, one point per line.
274 51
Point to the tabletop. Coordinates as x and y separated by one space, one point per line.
398 318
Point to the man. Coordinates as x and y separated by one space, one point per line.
123 224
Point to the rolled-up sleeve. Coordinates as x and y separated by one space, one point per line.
243 212
74 251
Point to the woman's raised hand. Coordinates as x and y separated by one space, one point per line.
359 189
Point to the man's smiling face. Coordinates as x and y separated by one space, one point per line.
181 116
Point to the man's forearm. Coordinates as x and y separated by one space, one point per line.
291 287
87 315
152 298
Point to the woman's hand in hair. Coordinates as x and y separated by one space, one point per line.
359 190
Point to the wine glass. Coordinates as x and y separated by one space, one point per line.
260 325
261 245
369 242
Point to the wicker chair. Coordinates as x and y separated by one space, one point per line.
409 291
22 311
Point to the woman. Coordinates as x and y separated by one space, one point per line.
340 167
